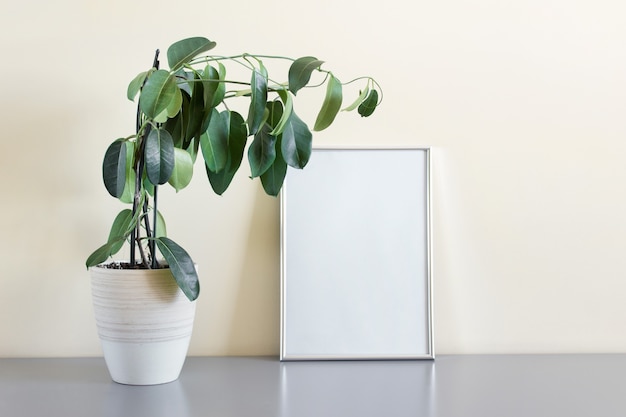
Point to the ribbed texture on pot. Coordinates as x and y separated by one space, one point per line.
140 306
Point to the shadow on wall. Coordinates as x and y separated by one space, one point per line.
255 326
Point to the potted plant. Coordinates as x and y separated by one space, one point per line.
183 113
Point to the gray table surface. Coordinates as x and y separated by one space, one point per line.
463 385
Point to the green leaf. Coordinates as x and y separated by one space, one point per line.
362 96
296 143
172 110
369 105
262 151
256 111
183 51
185 117
331 105
214 87
272 179
175 105
221 89
237 134
219 180
274 113
175 125
121 228
210 77
300 72
102 253
158 93
129 187
192 149
114 168
160 230
159 156
195 115
148 186
214 142
183 169
181 75
236 146
285 96
181 265
135 85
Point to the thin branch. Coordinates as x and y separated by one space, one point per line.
213 58
143 255
152 243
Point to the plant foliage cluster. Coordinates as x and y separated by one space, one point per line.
182 113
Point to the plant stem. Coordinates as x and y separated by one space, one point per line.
236 57
143 254
135 237
152 243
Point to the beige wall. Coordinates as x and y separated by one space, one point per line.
523 101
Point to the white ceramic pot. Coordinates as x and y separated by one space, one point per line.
144 322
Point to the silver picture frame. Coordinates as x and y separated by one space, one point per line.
356 268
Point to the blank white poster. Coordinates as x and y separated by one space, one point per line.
355 256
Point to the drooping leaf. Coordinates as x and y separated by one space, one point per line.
262 151
196 112
296 143
331 105
237 133
193 148
181 265
275 113
218 96
175 125
256 111
214 87
369 105
183 51
135 85
121 228
211 94
219 180
183 169
362 96
278 128
158 93
210 77
185 117
300 72
159 156
102 253
272 179
114 168
214 142
236 145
